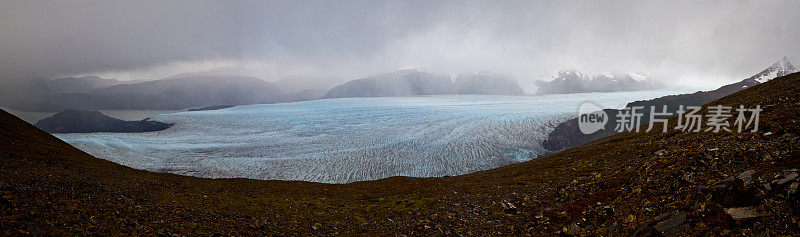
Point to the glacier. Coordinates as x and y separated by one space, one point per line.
349 139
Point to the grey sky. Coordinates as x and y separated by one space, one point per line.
705 42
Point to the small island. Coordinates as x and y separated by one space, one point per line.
86 121
212 107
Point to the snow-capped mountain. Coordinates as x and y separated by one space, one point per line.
571 81
778 69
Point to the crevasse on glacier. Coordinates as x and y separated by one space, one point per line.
347 140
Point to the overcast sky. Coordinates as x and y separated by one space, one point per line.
697 42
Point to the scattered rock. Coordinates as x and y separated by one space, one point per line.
508 207
631 218
793 188
572 229
789 176
670 224
647 231
608 211
744 213
688 177
767 187
746 177
5 203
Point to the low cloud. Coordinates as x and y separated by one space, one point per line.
709 42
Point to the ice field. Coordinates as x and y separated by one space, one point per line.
347 140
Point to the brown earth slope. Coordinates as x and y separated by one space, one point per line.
653 183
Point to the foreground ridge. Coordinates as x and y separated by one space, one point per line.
647 183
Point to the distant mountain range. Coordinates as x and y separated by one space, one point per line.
178 93
78 84
418 82
399 83
572 81
41 86
191 91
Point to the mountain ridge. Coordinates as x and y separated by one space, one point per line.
781 68
629 183
572 81
175 93
413 82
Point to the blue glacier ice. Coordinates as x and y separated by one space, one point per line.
348 140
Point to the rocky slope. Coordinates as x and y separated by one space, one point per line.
567 134
645 184
83 121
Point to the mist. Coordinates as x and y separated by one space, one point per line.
701 44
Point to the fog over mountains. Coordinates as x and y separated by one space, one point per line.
399 83
197 90
685 42
306 88
176 93
571 81
38 86
418 82
486 84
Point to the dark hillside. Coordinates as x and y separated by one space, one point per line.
652 183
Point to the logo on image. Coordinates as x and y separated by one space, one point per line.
591 118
